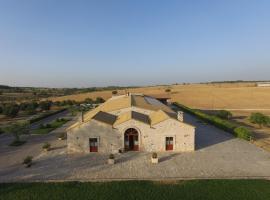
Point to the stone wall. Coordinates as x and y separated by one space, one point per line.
153 138
109 139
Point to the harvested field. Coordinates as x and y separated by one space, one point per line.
203 96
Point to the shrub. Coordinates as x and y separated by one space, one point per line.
18 129
28 161
242 132
154 155
224 114
111 156
114 92
1 109
168 90
260 119
46 146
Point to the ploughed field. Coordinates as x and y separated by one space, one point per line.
193 189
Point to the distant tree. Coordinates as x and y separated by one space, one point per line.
45 105
1 92
224 114
17 129
1 109
114 92
11 110
100 100
260 119
168 90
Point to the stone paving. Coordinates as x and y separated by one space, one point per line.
218 155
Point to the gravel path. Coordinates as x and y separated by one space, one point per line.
218 155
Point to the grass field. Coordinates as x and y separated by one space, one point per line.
195 189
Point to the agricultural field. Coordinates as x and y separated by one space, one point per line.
194 189
241 99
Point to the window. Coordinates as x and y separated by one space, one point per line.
169 143
93 143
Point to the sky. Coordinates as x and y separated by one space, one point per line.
77 43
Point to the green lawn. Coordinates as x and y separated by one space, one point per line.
53 125
196 189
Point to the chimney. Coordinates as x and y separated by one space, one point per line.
180 116
82 117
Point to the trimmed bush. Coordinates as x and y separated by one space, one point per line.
62 136
46 146
242 132
154 155
28 161
260 119
224 114
111 156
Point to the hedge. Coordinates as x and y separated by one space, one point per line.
36 119
238 131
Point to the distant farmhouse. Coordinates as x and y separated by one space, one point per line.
131 122
263 84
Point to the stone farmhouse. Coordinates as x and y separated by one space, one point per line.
131 122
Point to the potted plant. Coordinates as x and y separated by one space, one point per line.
111 159
154 158
28 161
46 146
62 136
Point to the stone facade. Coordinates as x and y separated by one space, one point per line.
111 139
169 134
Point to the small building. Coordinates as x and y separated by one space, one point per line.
132 122
263 84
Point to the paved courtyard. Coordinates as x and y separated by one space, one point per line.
218 155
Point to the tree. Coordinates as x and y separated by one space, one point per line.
260 119
11 110
168 90
88 101
45 105
17 129
224 114
1 109
100 100
30 109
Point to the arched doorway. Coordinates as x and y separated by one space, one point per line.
131 140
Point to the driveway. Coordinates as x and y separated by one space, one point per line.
218 155
49 119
